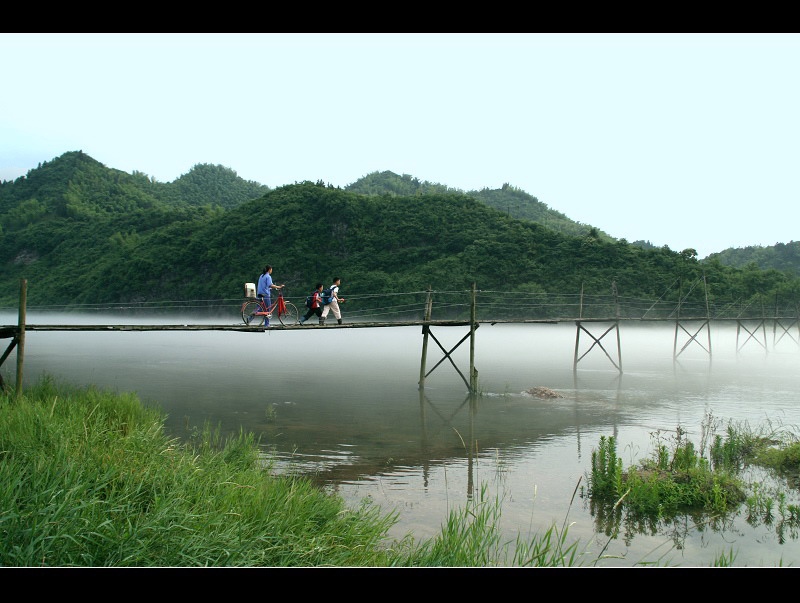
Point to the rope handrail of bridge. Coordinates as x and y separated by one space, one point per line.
453 305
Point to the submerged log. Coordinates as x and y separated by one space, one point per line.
543 392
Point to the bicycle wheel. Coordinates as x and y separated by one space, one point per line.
291 316
248 313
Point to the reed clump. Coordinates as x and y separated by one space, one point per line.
680 476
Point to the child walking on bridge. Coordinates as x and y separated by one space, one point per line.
334 304
316 304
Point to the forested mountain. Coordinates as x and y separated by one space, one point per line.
510 200
213 185
81 233
781 256
75 185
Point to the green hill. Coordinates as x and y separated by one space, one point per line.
510 200
82 233
781 256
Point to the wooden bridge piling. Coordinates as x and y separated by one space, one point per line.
706 323
17 337
425 334
597 341
472 381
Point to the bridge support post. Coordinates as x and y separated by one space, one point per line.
692 337
598 343
471 381
597 340
751 335
425 332
473 325
793 322
23 302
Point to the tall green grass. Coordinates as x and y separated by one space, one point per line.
88 478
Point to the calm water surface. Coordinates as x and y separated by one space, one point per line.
343 407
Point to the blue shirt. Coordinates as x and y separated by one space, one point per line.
265 285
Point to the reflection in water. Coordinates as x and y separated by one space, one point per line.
343 407
446 422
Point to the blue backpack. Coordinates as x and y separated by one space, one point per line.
327 296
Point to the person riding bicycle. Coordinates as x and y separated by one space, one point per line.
265 287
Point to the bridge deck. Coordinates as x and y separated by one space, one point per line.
12 330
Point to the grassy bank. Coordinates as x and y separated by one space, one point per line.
88 478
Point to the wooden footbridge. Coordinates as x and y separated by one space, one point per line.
597 318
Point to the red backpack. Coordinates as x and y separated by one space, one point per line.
313 301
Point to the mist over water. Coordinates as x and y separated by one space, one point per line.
343 406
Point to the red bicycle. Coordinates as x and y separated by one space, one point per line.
255 311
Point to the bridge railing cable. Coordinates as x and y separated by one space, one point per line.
453 305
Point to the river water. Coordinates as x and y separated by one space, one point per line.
344 407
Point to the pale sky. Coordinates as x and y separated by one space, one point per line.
685 140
